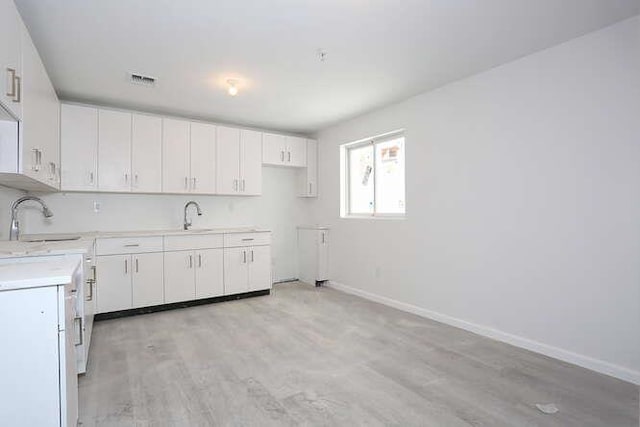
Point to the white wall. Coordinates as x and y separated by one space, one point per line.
523 198
277 209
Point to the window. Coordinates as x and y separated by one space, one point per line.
372 177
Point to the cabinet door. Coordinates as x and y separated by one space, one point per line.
251 162
114 150
179 278
259 258
146 154
228 160
296 152
308 177
203 158
147 286
235 271
40 116
113 290
273 149
175 156
10 55
209 265
78 147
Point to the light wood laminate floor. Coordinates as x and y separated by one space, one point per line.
316 356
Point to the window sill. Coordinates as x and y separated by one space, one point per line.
375 217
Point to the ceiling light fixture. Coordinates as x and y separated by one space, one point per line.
233 88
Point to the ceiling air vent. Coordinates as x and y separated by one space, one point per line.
139 79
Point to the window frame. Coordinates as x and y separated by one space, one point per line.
345 158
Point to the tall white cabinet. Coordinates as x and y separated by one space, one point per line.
308 177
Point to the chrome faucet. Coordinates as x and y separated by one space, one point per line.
187 224
14 231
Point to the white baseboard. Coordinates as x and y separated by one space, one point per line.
597 365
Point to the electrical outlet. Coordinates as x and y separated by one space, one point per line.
96 207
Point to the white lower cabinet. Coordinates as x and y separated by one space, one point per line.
113 291
179 281
146 283
209 273
193 275
129 281
179 268
247 269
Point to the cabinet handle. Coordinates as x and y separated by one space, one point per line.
90 296
190 261
243 185
135 180
11 73
194 183
186 182
132 245
126 266
199 260
18 97
251 255
126 178
248 239
282 156
235 185
310 192
35 166
289 157
80 334
90 178
323 239
137 266
244 257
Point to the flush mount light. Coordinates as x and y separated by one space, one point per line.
233 87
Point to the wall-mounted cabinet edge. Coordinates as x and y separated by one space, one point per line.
119 151
29 130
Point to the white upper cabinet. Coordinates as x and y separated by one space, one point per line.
114 151
239 162
280 150
251 162
79 147
203 158
146 154
296 151
308 177
30 137
274 150
176 159
228 160
11 57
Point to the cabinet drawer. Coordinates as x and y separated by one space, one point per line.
200 241
247 239
128 245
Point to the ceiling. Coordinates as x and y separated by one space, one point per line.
378 51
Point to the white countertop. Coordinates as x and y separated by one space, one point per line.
34 244
38 273
13 249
